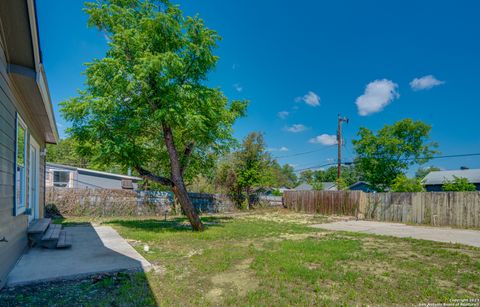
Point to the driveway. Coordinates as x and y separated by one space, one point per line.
94 250
440 234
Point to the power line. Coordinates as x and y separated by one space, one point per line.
306 152
404 160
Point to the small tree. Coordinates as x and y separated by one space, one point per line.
341 184
252 163
317 186
404 184
384 155
246 169
458 184
424 171
306 177
146 104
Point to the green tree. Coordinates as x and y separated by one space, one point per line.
65 152
317 185
252 163
404 184
146 105
458 184
350 175
281 176
249 168
384 155
341 184
424 171
306 176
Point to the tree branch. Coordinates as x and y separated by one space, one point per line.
148 175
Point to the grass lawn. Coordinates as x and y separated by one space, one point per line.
269 258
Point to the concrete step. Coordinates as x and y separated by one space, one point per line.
65 240
39 226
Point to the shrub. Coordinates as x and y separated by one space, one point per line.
404 184
458 184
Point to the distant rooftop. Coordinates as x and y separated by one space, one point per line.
439 177
326 186
90 171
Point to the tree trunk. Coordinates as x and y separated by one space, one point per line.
248 198
179 188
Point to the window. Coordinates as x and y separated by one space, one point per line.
20 166
61 179
127 184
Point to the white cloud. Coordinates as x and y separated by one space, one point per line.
425 83
324 139
283 114
378 94
296 128
281 149
238 87
310 98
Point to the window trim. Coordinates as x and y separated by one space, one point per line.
17 209
62 171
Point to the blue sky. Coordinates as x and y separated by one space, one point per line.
300 63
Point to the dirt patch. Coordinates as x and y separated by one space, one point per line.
302 236
194 252
159 269
240 279
286 216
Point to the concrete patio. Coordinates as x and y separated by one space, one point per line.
440 234
94 250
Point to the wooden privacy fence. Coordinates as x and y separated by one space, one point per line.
324 202
460 209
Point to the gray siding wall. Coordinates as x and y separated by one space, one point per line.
96 181
13 228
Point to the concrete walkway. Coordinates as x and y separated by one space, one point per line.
440 234
94 250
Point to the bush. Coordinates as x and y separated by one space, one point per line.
458 184
404 184
276 192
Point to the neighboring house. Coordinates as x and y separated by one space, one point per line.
361 186
329 186
434 180
74 177
326 186
303 187
27 124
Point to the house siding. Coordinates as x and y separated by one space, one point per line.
439 187
99 182
13 228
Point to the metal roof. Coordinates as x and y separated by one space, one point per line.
326 186
439 177
304 187
89 171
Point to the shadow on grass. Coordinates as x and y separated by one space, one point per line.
113 289
179 224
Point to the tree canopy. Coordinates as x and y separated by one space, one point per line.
146 104
384 155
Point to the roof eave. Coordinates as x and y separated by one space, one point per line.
41 79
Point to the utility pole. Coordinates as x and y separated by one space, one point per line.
339 144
